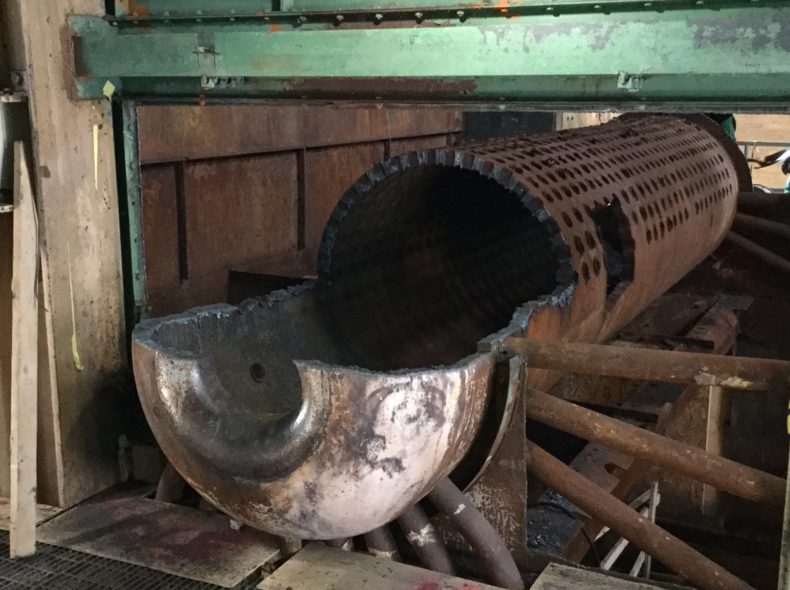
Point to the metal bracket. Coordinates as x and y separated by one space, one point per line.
212 82
19 81
630 82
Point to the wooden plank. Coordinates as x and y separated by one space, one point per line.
24 361
173 133
78 201
318 567
6 249
43 513
563 577
166 537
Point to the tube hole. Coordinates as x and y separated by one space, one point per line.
257 372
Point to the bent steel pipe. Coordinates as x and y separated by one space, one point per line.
428 263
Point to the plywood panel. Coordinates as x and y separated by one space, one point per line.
328 173
563 577
167 537
239 211
318 567
169 133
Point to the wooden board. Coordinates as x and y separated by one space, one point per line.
170 133
319 567
24 361
43 513
6 247
166 537
77 191
563 577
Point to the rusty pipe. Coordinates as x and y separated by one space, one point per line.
380 543
425 541
721 473
479 533
171 485
750 222
758 251
641 532
653 365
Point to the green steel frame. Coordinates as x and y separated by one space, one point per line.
556 54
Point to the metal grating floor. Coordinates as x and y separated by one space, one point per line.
55 568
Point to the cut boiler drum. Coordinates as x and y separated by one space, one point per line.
326 410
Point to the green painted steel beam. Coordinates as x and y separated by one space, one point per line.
736 57
207 8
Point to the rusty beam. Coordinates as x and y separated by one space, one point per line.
644 534
721 473
653 365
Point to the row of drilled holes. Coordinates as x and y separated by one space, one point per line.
693 168
577 189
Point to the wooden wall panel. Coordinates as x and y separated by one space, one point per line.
244 181
169 133
328 173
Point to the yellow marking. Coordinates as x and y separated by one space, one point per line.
74 352
109 89
96 156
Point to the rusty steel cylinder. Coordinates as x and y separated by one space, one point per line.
326 410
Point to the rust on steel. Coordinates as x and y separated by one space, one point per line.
498 561
325 410
723 474
759 251
654 365
642 532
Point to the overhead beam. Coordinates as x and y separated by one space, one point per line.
640 59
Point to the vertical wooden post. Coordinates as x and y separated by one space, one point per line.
24 361
714 442
784 555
